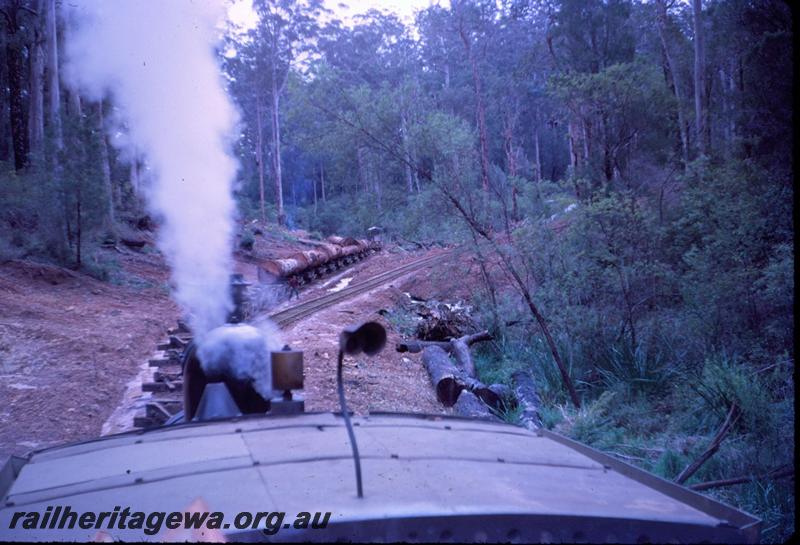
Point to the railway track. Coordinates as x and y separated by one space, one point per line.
167 383
298 312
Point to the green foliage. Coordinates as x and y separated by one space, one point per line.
773 501
247 240
670 464
623 367
103 266
403 320
594 424
732 240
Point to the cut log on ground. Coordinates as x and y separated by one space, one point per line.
449 381
502 400
458 347
446 379
527 399
469 405
461 352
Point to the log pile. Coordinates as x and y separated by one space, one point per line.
454 380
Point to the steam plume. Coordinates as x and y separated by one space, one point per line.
156 60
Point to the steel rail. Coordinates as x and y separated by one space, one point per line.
297 312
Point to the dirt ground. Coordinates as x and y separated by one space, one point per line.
388 381
70 345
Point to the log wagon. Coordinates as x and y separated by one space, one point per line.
326 257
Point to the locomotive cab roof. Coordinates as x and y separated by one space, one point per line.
426 478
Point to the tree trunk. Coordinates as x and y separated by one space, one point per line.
36 90
276 147
109 221
509 122
54 93
537 171
260 159
322 180
700 96
78 228
408 170
446 64
673 81
362 175
585 134
481 110
574 156
314 185
19 126
5 125
74 108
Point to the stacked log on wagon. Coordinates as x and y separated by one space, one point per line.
326 257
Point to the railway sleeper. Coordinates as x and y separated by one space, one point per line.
171 375
162 408
141 420
164 385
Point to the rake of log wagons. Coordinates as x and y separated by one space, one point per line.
325 257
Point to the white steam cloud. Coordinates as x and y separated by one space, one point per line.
156 60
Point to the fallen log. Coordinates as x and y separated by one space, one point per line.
461 351
469 405
418 346
449 381
501 397
527 399
777 474
446 379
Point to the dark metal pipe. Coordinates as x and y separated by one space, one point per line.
346 415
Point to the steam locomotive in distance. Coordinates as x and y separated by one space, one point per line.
244 450
326 257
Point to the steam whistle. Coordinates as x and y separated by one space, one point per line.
238 288
287 375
